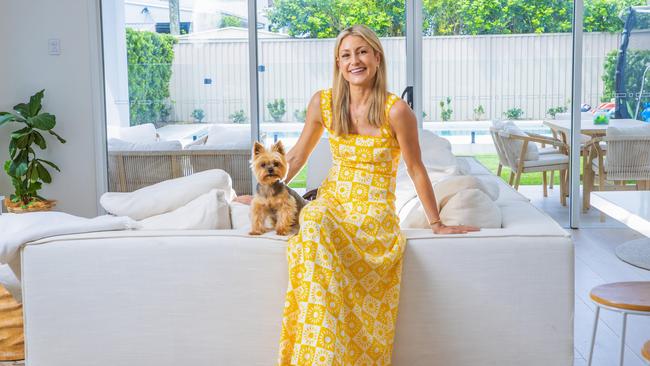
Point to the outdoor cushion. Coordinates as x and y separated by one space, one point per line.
547 159
123 145
628 131
224 136
514 145
140 133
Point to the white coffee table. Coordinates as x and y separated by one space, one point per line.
633 209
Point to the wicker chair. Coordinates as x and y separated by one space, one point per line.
131 170
628 159
516 159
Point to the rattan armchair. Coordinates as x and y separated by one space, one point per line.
516 159
131 170
628 159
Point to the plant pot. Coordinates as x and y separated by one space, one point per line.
46 205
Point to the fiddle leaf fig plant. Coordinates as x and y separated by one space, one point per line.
26 170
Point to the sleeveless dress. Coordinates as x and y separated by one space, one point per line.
345 264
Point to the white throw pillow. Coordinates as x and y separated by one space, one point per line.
123 145
446 188
436 156
532 152
166 196
471 207
140 133
229 137
240 215
206 212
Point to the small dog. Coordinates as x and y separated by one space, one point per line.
273 199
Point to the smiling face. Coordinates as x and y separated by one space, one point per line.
357 61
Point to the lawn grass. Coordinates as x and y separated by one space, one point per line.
300 180
490 161
530 179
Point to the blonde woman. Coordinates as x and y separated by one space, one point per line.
345 263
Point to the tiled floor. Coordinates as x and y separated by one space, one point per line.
596 263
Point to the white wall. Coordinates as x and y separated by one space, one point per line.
71 90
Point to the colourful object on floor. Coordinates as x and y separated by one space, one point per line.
345 264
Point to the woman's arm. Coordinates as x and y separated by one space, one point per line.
311 133
404 124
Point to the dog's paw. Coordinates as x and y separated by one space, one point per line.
282 232
253 232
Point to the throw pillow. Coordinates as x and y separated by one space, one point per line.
166 196
471 207
206 212
446 188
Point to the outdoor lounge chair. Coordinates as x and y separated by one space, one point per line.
131 170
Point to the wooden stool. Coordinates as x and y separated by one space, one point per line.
623 297
645 352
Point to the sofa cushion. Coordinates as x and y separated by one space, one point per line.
206 212
471 207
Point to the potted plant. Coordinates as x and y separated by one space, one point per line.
198 115
28 172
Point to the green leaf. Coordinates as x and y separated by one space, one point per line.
43 121
12 148
6 117
21 169
49 163
61 139
39 140
7 164
43 173
22 109
22 141
35 103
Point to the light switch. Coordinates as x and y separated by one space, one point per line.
54 47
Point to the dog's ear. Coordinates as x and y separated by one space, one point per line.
278 147
258 148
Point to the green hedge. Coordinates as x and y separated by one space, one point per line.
150 57
635 62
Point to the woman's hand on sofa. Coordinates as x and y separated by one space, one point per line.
245 199
440 228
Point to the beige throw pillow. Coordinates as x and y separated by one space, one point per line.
448 187
471 207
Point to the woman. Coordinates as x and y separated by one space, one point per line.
345 263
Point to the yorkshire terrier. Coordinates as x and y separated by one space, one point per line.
273 199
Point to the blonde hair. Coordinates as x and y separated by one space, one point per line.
341 121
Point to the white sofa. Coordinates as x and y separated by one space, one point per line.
501 297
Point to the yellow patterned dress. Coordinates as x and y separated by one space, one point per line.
345 264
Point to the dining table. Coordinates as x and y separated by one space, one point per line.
589 130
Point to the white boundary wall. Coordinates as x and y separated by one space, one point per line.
528 71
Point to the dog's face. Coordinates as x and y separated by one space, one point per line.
269 166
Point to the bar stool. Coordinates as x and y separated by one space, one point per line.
645 352
623 297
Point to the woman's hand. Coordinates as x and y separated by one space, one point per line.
246 199
440 228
